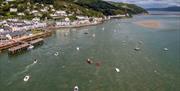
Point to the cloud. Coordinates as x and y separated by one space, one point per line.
151 3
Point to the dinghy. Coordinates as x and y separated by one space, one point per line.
117 70
76 88
26 78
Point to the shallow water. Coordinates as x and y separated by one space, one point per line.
150 69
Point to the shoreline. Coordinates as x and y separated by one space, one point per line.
47 29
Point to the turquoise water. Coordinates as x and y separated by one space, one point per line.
150 69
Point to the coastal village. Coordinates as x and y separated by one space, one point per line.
87 45
17 28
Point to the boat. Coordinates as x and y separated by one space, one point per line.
35 61
56 54
77 48
30 47
76 88
165 49
89 61
26 78
117 70
137 49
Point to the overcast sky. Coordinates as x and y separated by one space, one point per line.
151 3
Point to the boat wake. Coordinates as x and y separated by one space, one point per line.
15 76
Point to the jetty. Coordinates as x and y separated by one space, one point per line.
18 48
36 42
36 38
25 45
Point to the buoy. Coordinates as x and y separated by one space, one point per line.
26 78
117 70
76 88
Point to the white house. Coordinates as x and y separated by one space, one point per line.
53 15
44 10
1 30
36 19
63 23
61 13
82 17
21 14
34 11
13 9
67 19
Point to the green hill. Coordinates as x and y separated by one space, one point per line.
96 8
107 8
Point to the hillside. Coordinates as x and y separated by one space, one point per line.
172 8
106 8
91 8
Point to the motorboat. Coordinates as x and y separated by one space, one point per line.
117 69
165 49
30 47
137 49
35 61
76 88
26 78
89 61
56 54
77 48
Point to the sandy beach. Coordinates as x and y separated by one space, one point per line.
149 23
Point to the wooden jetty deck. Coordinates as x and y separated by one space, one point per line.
18 48
24 39
37 41
24 46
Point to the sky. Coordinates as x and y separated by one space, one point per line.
152 3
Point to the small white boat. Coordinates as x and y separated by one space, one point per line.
35 61
76 88
166 49
137 49
77 48
117 69
26 78
30 47
56 54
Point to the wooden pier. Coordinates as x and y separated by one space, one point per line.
16 42
24 46
18 48
36 42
